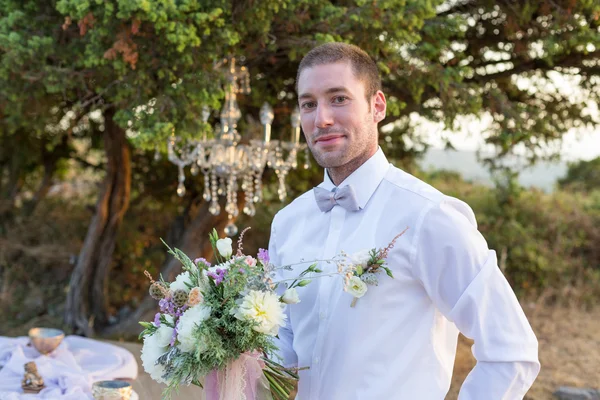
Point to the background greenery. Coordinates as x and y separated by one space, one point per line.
89 89
547 245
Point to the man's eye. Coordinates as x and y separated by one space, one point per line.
340 99
308 105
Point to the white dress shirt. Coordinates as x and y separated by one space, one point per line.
399 341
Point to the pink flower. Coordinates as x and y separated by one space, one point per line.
251 261
195 297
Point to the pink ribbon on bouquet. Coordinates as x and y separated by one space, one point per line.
241 379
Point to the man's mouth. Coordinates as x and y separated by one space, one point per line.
328 139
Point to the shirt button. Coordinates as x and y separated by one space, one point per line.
317 359
322 315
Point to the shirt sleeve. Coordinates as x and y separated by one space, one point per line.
462 278
285 338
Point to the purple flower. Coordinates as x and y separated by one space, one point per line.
179 312
263 256
165 305
174 337
203 261
218 275
157 319
168 307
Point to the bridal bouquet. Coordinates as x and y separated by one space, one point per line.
218 322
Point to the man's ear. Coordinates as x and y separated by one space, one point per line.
379 106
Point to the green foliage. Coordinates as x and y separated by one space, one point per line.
186 263
582 176
149 329
153 60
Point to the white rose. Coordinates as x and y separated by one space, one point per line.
188 323
181 282
163 334
361 258
265 309
224 247
151 351
290 296
356 287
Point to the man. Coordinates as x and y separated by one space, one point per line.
399 340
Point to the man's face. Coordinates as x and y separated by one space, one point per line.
339 124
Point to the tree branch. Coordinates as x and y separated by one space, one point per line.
461 7
572 60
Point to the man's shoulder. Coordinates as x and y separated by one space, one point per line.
423 197
410 186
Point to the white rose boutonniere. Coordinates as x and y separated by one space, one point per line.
356 287
363 267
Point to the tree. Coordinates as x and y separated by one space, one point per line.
148 67
582 175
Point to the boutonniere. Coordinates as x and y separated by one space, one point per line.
364 267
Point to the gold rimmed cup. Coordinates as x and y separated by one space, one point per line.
46 340
111 390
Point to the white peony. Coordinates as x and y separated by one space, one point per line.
290 296
164 333
224 247
188 322
361 258
356 287
181 282
265 309
151 351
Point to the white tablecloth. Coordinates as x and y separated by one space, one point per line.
68 372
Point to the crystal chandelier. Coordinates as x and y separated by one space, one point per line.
228 162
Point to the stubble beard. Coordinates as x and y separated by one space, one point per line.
345 160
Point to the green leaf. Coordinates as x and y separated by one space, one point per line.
146 325
388 271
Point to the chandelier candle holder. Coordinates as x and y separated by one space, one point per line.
228 161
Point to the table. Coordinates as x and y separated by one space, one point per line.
68 372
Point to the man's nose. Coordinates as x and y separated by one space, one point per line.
324 117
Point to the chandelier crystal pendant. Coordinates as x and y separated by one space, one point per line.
228 161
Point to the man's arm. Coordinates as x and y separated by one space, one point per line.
285 337
460 274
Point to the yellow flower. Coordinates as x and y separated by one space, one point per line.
265 309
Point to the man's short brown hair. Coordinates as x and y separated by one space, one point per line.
363 66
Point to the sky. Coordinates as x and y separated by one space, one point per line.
581 144
577 144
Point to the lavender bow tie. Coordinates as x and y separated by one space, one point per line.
344 197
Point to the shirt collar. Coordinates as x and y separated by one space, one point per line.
365 179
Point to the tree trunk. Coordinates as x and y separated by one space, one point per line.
92 268
194 242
